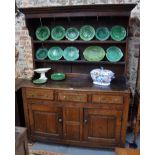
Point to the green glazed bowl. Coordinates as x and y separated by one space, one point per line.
71 53
58 33
94 53
72 33
114 54
118 33
102 33
42 33
55 53
87 32
41 53
58 76
39 81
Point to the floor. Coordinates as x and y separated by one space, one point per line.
70 150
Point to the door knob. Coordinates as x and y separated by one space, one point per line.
85 121
60 120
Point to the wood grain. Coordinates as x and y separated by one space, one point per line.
127 151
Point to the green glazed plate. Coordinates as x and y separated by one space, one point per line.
42 33
114 54
39 81
72 33
102 33
58 76
87 32
58 33
55 53
71 53
41 53
94 53
118 33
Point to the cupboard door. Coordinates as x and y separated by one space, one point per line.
45 120
102 125
72 123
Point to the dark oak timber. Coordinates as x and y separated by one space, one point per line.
78 11
75 111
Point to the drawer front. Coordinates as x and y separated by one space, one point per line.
39 93
107 99
72 97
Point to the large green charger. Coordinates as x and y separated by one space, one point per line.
72 33
58 33
55 53
42 33
87 32
118 33
94 53
71 53
114 54
41 53
102 33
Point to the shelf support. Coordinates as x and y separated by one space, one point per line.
41 22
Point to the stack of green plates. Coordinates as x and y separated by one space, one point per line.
58 33
118 33
58 76
102 33
55 53
72 33
41 53
94 53
114 54
71 53
87 32
42 33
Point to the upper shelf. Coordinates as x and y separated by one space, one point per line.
81 42
82 62
79 10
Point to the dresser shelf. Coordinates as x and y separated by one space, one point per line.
79 42
82 61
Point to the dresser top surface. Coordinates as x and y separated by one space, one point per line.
79 84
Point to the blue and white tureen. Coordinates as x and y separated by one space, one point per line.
102 76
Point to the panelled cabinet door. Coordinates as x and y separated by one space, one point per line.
72 123
45 119
103 126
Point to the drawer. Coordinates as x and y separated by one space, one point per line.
39 93
75 97
107 99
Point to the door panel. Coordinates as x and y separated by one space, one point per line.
102 125
72 114
72 131
39 121
72 123
45 119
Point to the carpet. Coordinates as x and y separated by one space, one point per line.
43 152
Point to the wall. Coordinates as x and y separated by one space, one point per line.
24 63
